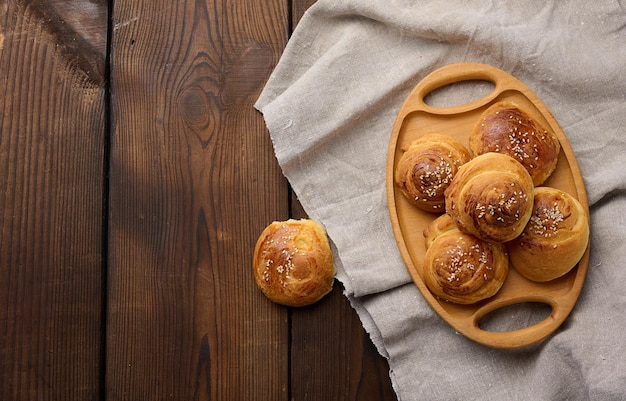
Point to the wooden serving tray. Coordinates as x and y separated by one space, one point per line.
417 118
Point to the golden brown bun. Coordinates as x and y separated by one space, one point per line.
426 169
554 240
293 263
459 267
491 197
506 128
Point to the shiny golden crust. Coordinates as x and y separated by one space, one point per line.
506 128
555 238
426 169
459 267
491 197
293 263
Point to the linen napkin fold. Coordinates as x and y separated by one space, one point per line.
330 105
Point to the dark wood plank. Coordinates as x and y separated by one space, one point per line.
298 8
193 183
333 358
52 144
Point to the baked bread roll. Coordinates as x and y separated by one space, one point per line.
293 263
491 197
555 238
505 128
459 267
426 168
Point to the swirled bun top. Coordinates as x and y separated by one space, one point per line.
293 263
426 169
555 238
459 267
491 197
505 128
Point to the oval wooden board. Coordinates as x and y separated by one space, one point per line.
417 118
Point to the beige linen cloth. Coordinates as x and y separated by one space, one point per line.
330 105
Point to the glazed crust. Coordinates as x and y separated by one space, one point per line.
555 238
491 197
505 128
426 169
293 263
459 267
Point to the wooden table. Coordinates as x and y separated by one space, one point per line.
135 178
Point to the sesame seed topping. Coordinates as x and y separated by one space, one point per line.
434 180
545 221
464 261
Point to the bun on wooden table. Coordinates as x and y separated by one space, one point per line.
555 238
491 197
293 263
427 167
506 128
459 267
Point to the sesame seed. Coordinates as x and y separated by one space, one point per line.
545 221
435 179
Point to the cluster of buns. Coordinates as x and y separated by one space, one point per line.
293 263
494 211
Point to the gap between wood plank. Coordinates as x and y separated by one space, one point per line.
108 127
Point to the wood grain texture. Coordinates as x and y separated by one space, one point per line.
298 8
332 357
52 136
193 183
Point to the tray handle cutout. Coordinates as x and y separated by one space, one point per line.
521 337
454 74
